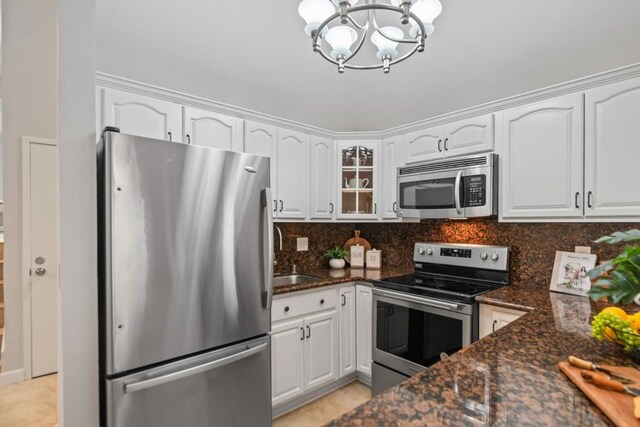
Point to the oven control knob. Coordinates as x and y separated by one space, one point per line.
421 251
429 251
483 255
494 256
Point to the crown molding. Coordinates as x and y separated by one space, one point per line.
577 85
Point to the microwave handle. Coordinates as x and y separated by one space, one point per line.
456 196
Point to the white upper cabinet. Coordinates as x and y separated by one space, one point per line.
391 155
262 140
202 127
293 175
474 135
612 150
423 145
322 190
541 163
141 115
357 175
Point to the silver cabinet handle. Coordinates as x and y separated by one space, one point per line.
375 208
269 253
40 271
577 200
302 337
331 207
344 300
590 199
456 196
439 146
446 144
395 207
170 136
275 205
281 205
308 332
175 376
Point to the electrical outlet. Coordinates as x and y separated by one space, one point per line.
583 249
302 244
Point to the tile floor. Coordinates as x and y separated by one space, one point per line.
30 403
327 408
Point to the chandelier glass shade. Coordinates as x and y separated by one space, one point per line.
344 26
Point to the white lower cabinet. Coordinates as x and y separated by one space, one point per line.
304 344
347 323
493 318
364 324
287 360
320 349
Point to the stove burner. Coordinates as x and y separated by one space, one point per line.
458 288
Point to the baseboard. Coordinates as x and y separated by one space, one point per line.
364 379
299 401
11 377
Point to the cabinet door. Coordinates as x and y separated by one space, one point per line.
612 144
263 140
391 155
364 320
541 164
321 349
358 172
202 127
142 116
293 175
474 135
423 145
322 192
287 360
493 318
347 328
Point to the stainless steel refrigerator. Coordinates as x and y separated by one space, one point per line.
185 286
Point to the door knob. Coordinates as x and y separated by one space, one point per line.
40 271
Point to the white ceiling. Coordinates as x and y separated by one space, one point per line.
254 54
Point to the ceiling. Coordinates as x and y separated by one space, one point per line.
254 54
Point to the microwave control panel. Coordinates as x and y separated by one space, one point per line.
475 190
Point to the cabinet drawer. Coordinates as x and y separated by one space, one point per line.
300 305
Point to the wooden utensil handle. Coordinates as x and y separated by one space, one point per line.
579 363
602 380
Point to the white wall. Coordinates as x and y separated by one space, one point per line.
48 73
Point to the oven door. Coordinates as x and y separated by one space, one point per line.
411 332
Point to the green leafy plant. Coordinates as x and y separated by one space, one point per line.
618 279
335 253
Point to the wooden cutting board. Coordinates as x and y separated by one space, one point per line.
617 406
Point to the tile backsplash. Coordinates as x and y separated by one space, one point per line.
533 245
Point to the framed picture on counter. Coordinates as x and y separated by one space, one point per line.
570 273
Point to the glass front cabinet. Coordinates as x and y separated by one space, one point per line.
358 179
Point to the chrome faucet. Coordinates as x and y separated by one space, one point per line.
275 262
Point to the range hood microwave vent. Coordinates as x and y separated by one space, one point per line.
444 165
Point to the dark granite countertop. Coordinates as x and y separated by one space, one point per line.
329 277
509 378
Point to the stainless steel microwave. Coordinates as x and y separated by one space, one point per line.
464 187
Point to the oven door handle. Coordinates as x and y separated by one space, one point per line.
456 196
418 300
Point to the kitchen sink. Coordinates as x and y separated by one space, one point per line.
293 279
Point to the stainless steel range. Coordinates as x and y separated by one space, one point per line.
419 317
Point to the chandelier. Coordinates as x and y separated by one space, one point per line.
335 22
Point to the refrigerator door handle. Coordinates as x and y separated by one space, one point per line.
175 376
269 254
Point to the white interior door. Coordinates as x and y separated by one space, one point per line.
41 232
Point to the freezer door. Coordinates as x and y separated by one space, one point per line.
186 258
228 387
